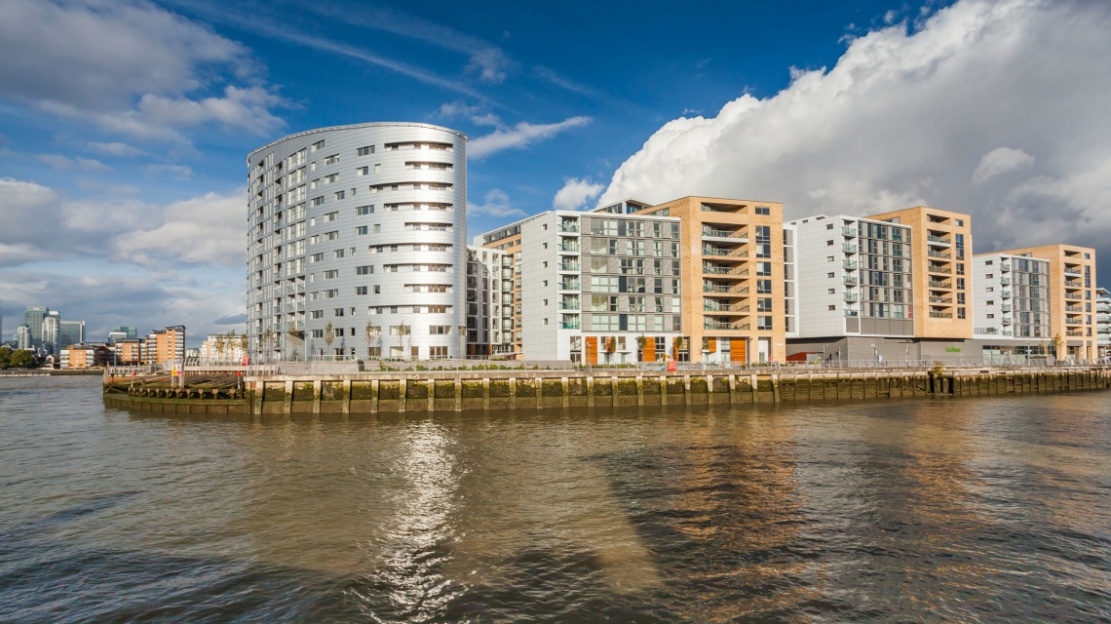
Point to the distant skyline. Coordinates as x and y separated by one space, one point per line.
124 125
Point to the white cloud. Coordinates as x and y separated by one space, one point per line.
114 148
40 223
907 117
93 61
181 172
1001 160
65 163
477 115
575 193
521 135
496 204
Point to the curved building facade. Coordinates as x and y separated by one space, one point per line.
357 243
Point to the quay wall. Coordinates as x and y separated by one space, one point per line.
512 390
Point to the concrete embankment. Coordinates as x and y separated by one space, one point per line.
508 390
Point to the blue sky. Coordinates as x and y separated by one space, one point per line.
124 124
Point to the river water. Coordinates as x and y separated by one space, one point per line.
960 510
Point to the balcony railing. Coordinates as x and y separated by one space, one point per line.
572 248
933 268
1074 333
722 252
849 264
726 325
851 280
944 255
570 285
575 325
1074 321
1005 267
1006 294
725 288
851 297
938 240
569 266
941 315
849 232
1006 321
852 313
1006 307
943 300
1074 308
937 284
1005 281
1076 272
569 305
848 248
1073 284
739 236
569 227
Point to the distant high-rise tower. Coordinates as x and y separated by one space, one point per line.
33 318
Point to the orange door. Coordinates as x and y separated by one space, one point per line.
591 349
649 350
739 350
712 345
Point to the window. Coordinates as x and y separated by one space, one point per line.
317 257
829 243
360 290
362 171
831 291
317 314
334 273
318 145
763 304
763 210
960 313
764 286
439 330
832 307
361 230
365 151
991 316
764 268
829 226
437 353
989 275
337 312
763 322
378 290
331 178
338 253
340 194
829 258
364 270
829 275
317 201
364 210
318 333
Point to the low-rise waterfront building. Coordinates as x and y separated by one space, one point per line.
490 306
85 355
731 254
1072 299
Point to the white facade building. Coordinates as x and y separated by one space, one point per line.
357 243
599 288
1103 322
490 323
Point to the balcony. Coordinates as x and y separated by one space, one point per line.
1074 321
848 232
938 240
718 306
724 252
569 266
1074 308
571 227
1005 281
570 247
570 285
734 236
1074 284
852 313
941 315
849 264
851 297
713 269
570 325
942 255
851 280
1073 271
724 325
935 268
1006 294
569 305
941 300
1074 333
848 248
1006 321
939 285
1006 307
1075 296
1005 267
727 289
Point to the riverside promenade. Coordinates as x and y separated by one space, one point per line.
286 391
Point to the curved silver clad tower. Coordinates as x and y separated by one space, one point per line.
357 243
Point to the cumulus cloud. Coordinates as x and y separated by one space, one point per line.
40 223
1001 160
496 204
127 67
575 193
520 136
918 115
180 172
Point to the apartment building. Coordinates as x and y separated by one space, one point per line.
84 355
733 270
1011 303
942 246
854 287
1072 293
599 287
490 305
1103 323
357 243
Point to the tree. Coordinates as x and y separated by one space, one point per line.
1058 345
373 336
329 334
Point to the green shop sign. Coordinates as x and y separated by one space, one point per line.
952 349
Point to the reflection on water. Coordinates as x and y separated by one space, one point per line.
962 510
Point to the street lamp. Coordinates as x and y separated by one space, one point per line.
875 355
